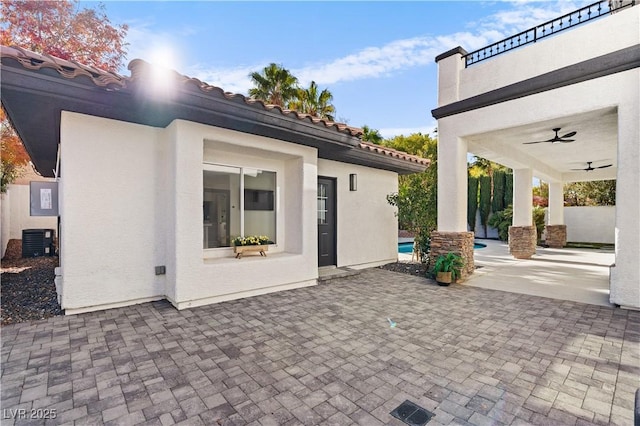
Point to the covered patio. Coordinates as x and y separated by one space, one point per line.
557 117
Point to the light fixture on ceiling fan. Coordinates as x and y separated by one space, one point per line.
590 168
556 138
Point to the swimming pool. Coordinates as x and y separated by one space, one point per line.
408 247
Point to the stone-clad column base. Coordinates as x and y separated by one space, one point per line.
556 236
460 243
522 241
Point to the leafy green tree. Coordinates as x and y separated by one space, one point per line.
594 193
314 102
416 198
485 201
472 202
371 135
275 85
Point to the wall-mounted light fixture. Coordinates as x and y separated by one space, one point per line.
353 182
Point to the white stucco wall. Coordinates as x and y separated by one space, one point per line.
16 215
131 199
367 227
207 276
591 224
113 212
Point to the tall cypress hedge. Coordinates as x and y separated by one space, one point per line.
485 201
497 203
472 202
508 189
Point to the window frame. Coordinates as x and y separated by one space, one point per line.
208 166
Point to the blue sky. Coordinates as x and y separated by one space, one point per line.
377 58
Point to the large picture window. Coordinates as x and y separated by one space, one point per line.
237 202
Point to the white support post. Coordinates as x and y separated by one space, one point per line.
555 212
522 197
452 182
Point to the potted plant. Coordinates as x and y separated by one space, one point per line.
253 243
447 268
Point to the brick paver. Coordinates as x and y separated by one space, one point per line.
327 355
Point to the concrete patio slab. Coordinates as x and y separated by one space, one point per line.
579 275
327 355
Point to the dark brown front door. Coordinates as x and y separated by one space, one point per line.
326 206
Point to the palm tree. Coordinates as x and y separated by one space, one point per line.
310 101
371 135
274 85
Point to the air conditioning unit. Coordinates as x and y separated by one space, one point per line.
37 242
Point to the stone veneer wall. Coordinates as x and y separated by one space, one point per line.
460 243
556 235
522 241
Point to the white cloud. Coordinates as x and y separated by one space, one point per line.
235 80
398 55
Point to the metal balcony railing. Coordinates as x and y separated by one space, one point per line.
580 16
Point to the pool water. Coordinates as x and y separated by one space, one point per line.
408 247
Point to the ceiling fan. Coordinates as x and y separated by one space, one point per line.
556 138
589 168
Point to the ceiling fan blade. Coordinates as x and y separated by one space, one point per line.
604 167
528 143
565 140
568 135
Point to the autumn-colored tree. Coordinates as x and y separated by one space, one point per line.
58 28
14 156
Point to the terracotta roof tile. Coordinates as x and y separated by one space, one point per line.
68 69
140 69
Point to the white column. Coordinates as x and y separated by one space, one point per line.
624 288
452 181
555 211
522 197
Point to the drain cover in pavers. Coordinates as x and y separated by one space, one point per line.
412 414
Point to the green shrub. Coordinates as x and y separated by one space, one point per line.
502 221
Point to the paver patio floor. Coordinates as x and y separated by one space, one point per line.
327 355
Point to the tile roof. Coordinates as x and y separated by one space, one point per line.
394 153
140 69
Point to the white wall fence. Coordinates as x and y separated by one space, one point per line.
591 224
584 225
16 216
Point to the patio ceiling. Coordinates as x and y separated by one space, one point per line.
595 141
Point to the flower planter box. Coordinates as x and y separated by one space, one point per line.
241 250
